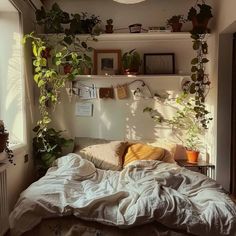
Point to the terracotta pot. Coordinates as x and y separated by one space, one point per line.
192 156
200 25
176 27
3 141
133 71
109 29
67 68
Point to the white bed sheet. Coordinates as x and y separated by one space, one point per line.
142 192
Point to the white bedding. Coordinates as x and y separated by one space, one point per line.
142 192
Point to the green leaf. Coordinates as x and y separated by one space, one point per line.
41 83
194 69
35 50
205 60
194 61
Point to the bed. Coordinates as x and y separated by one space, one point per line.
145 197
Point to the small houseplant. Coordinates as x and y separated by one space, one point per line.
131 62
200 16
109 26
4 143
53 19
186 127
176 22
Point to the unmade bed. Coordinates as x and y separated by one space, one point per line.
149 194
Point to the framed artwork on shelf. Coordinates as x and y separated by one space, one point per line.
107 62
159 63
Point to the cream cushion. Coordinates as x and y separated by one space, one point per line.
106 156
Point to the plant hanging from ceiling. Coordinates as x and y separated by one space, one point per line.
47 63
200 83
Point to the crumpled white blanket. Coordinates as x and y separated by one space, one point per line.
142 192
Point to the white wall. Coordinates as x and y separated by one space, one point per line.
120 114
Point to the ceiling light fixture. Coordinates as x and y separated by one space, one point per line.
129 1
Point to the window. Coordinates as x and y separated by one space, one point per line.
11 73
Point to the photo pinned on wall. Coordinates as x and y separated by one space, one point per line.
107 62
159 63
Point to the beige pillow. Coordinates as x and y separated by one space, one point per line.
82 142
107 156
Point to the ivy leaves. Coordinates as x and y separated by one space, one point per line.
200 82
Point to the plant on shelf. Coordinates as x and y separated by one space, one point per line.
184 124
200 15
50 81
4 142
109 26
176 22
83 24
53 19
131 62
200 82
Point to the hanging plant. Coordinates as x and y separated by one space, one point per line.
50 80
200 82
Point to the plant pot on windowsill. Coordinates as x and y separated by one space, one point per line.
176 27
192 156
131 71
3 141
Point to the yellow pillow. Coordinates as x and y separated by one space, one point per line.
141 151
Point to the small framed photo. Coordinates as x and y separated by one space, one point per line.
159 63
107 62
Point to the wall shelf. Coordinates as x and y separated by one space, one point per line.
131 76
130 36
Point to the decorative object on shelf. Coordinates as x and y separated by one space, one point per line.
135 28
184 124
158 29
107 62
106 92
131 62
129 1
200 83
176 22
50 80
4 142
109 26
53 19
159 63
200 17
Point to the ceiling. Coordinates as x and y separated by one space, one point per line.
7 6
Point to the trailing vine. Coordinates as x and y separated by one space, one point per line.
48 62
200 82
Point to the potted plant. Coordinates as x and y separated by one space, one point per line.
185 125
176 22
4 143
200 16
83 24
131 62
109 26
53 19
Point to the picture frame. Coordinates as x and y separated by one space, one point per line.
159 63
107 61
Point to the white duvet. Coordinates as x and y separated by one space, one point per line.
142 192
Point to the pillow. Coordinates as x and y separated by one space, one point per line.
141 151
82 142
107 156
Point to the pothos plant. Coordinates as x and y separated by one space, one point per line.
47 62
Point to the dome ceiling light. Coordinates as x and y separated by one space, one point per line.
129 1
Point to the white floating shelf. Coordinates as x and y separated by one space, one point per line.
130 36
131 76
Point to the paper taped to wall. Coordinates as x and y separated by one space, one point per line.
87 92
84 109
